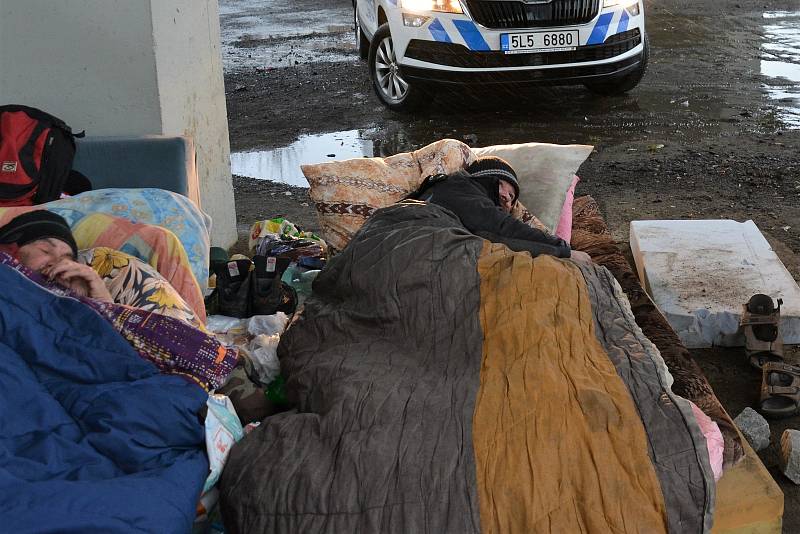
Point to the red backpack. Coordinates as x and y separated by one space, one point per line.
36 154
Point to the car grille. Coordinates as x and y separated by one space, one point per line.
498 14
456 55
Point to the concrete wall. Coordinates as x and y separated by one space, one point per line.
89 62
188 58
126 67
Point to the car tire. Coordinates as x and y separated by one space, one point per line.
620 86
392 89
361 39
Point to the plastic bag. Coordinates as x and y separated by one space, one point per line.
263 352
301 280
223 429
267 324
222 324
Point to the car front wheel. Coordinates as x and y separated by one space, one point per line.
397 93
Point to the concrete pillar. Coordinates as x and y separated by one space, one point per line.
127 67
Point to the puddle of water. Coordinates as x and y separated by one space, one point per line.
283 164
780 61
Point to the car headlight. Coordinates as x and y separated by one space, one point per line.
444 6
621 3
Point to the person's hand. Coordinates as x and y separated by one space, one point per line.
580 257
80 278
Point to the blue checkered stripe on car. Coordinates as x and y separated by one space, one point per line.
465 29
466 32
606 25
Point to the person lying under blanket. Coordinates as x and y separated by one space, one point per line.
43 242
139 303
482 197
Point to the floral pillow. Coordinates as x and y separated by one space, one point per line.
347 193
135 283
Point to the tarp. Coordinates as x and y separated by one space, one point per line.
92 437
446 384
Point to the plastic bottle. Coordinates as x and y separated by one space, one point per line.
276 391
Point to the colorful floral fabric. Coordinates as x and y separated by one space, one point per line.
159 227
133 282
172 345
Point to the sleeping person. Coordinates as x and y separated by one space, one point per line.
482 197
43 242
131 295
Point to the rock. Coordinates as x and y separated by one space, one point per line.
754 428
790 455
470 139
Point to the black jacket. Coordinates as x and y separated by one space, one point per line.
476 203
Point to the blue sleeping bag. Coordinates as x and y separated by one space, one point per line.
92 437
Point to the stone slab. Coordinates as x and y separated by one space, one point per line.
700 273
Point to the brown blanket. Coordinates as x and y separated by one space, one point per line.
591 235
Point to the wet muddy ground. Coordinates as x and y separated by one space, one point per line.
713 131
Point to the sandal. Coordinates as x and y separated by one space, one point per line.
760 359
780 390
760 323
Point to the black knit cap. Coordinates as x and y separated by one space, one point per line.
497 167
34 225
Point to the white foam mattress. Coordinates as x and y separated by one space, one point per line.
700 273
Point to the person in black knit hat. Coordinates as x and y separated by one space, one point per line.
43 242
482 197
490 169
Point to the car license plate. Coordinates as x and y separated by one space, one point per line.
556 41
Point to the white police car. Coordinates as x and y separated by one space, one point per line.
408 43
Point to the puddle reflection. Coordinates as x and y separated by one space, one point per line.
780 61
283 164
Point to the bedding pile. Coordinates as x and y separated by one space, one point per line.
446 384
93 438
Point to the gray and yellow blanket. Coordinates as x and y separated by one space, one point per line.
446 384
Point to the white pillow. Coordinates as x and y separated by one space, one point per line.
545 173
